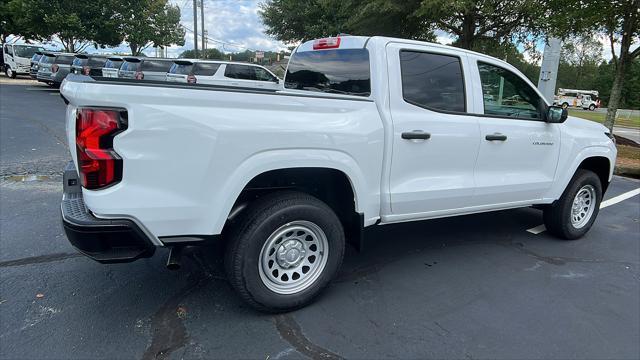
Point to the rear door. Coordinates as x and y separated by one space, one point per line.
518 149
240 75
435 139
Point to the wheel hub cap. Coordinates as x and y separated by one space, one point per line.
290 254
293 257
583 206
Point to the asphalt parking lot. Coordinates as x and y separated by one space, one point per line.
478 286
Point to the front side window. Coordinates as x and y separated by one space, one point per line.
263 75
432 81
205 69
506 94
340 71
241 72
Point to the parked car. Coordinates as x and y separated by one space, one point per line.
111 67
145 68
585 99
53 68
17 58
367 131
88 64
35 59
223 73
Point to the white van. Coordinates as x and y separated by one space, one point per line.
17 58
223 73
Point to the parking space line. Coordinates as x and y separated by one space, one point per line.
614 200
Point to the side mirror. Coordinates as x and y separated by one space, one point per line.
556 114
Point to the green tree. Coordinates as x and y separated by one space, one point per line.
75 24
618 19
143 23
471 20
579 60
209 54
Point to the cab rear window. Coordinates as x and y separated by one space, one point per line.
340 71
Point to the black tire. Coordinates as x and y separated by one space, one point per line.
558 217
251 232
565 105
11 75
592 107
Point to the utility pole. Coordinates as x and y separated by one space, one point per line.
202 25
549 69
195 27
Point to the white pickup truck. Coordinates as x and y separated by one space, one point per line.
367 131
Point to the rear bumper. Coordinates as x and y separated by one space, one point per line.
103 240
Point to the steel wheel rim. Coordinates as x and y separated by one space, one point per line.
293 257
584 204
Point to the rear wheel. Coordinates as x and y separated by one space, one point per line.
284 250
576 210
565 105
592 107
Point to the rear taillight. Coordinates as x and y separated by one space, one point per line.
55 68
326 43
191 79
139 75
99 165
86 70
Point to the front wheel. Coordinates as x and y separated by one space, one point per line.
565 105
592 107
284 250
576 210
9 72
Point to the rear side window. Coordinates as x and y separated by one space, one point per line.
48 59
205 69
181 69
242 72
64 59
96 61
130 66
344 71
156 65
432 81
79 61
113 64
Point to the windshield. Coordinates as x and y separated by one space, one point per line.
26 51
344 71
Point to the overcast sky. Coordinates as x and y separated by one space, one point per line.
237 23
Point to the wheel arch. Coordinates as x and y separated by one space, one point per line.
599 159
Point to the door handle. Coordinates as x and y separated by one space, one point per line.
416 135
496 137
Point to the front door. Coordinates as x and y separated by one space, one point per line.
518 149
435 141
